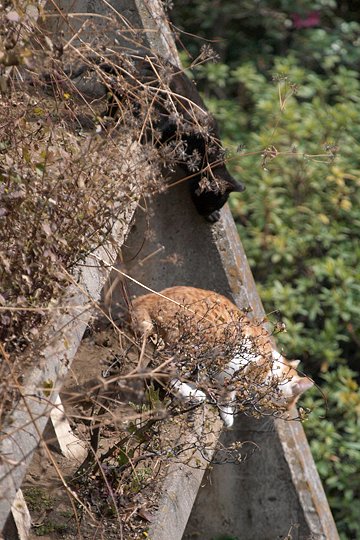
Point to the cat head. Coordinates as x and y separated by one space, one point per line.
209 202
291 384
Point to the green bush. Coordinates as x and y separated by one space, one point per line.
302 211
334 431
289 101
302 225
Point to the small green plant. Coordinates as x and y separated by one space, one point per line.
37 499
140 477
50 527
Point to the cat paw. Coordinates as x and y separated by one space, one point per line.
187 392
213 217
198 395
227 415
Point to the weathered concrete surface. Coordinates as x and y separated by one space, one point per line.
123 24
259 498
253 499
277 489
181 485
23 431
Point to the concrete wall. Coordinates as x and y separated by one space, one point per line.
251 500
276 490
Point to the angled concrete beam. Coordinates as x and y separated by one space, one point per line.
278 487
39 394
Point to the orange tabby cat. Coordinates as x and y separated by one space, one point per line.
235 344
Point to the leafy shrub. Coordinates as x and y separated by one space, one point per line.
296 118
301 211
322 34
334 431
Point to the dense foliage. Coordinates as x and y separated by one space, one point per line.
286 93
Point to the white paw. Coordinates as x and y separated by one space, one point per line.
197 395
227 415
186 391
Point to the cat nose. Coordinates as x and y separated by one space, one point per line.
239 187
235 186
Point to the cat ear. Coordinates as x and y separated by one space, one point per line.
300 386
293 363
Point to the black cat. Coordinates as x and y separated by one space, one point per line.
181 121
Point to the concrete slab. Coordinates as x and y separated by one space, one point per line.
276 491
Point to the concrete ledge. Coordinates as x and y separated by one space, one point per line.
277 489
26 423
